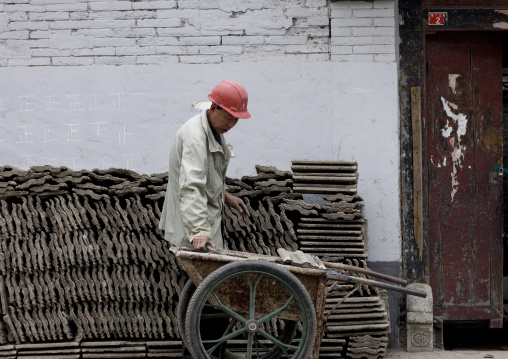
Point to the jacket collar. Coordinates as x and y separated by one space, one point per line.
213 145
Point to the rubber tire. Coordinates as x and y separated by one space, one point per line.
234 268
183 303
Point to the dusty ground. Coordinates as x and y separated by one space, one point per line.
448 354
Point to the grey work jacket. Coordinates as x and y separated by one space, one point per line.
195 192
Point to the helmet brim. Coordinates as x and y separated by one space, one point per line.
242 115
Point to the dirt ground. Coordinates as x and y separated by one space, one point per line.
448 354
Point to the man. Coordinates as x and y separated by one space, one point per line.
196 191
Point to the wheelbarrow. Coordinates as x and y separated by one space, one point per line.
264 307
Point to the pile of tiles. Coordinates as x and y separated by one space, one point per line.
82 260
340 230
361 319
83 263
312 176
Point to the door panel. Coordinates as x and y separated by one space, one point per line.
463 144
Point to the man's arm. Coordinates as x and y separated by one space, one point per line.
236 203
192 197
200 242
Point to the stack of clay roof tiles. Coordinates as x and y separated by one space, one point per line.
83 263
339 229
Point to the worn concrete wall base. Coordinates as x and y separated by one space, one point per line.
420 320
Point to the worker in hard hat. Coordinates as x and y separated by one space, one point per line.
199 157
196 191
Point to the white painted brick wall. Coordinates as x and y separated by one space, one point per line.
97 32
363 31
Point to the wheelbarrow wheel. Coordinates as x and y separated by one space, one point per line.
183 304
287 334
242 302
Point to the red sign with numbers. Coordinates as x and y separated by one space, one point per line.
437 18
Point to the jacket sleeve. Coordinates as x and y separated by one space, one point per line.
192 188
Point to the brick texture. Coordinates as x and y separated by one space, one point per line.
363 31
98 32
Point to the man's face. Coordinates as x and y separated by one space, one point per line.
221 120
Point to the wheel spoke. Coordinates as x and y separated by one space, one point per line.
259 344
278 311
223 339
228 311
277 342
230 327
252 302
228 330
250 341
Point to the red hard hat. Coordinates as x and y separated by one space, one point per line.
232 97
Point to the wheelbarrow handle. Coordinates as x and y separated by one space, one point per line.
211 249
332 275
366 271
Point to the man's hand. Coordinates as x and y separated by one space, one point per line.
200 242
236 203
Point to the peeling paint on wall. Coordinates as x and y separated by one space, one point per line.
452 81
460 118
447 130
500 25
458 150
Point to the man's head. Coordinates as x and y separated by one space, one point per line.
220 120
232 97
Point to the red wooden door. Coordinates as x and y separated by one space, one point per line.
463 144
